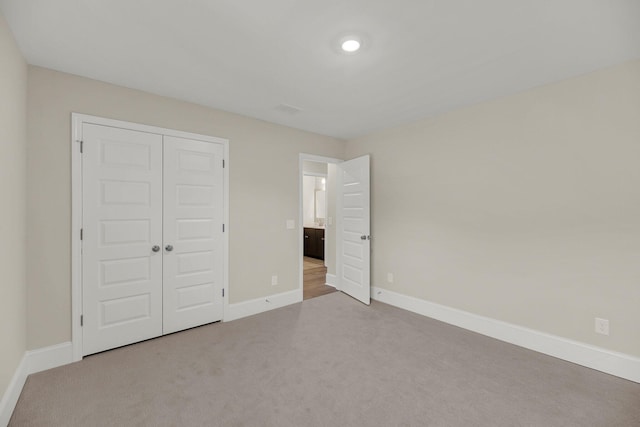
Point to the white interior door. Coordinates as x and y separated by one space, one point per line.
193 236
122 222
353 260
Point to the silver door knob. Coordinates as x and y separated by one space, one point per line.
168 248
156 248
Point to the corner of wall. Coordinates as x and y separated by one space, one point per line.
13 175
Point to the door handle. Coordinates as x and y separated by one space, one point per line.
364 237
168 248
155 248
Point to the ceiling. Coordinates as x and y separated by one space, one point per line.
419 57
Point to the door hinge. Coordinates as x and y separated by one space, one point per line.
223 228
81 146
223 292
81 320
223 163
81 233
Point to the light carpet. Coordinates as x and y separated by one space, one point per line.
329 361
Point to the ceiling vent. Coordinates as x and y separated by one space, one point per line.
288 109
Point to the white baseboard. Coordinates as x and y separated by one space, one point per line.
618 364
332 280
33 361
12 393
260 305
49 357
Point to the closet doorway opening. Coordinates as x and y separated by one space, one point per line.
317 223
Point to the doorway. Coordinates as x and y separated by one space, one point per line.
317 219
346 225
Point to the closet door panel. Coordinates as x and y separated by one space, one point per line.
122 221
193 239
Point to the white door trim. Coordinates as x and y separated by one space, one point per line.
320 175
302 158
77 120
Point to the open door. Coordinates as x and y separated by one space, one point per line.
353 242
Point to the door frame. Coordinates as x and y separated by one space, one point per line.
302 158
77 120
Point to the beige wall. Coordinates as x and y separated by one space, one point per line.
13 151
264 165
525 209
314 167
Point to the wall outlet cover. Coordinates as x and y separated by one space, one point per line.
602 326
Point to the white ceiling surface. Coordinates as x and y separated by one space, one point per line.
419 57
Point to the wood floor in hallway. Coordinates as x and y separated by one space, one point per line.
315 278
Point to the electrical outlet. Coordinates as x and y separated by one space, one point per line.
274 280
291 224
602 326
390 277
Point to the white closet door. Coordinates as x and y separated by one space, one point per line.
122 221
193 240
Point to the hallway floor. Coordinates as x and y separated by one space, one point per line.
315 278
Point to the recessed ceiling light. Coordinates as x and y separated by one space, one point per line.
350 45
